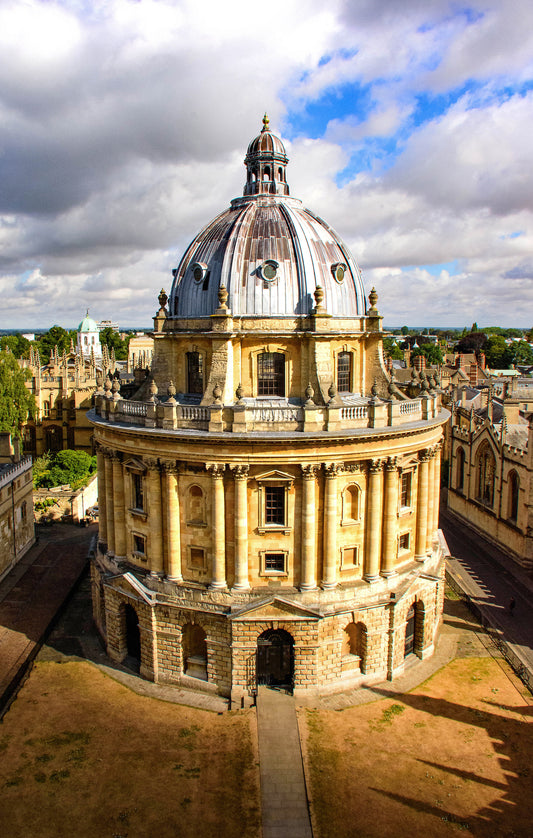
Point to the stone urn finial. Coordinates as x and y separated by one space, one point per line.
332 392
239 392
319 296
115 389
163 298
374 389
217 393
171 391
107 388
373 298
153 390
309 393
223 297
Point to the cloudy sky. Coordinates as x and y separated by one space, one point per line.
124 125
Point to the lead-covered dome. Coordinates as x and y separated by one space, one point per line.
268 251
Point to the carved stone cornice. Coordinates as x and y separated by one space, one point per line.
352 468
333 469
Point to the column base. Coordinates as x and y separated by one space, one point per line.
371 578
218 586
388 574
176 579
156 574
311 587
328 586
240 587
421 558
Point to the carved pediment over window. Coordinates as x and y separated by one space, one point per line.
135 465
274 477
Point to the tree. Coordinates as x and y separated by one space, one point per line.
56 336
521 353
17 344
113 341
497 352
67 466
473 342
16 401
474 328
404 330
431 351
392 350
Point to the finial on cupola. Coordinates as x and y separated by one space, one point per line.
266 122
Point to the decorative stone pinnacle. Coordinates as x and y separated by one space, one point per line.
374 389
223 296
217 392
319 296
171 391
332 391
373 298
153 390
309 393
163 298
239 393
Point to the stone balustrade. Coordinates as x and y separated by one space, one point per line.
246 418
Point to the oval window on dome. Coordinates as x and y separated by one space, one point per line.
269 270
199 270
338 270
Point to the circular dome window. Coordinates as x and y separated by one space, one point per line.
269 270
338 270
198 271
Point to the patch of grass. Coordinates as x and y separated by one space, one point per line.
388 715
57 776
44 758
40 777
13 781
66 737
4 741
77 755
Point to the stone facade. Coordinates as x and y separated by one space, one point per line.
17 531
269 509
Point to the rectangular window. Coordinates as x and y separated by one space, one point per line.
46 409
59 409
139 544
275 505
195 373
405 499
403 542
271 374
138 493
275 561
344 372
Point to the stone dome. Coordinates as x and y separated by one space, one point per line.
268 251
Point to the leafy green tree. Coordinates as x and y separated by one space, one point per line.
473 342
114 341
474 328
404 330
497 352
392 350
521 353
431 351
16 401
67 466
56 336
17 344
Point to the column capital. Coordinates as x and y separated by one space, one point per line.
170 467
216 470
333 469
309 471
425 455
392 464
151 464
352 468
114 456
376 466
240 472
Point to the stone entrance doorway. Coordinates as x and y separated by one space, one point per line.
275 658
410 632
133 639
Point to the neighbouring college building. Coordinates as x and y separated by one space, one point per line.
268 511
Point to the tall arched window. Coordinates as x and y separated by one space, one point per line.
460 479
195 373
514 488
486 473
271 374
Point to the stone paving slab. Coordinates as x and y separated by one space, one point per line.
285 810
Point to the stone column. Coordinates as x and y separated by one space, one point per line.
155 520
436 489
422 505
102 517
241 582
390 519
308 558
329 573
120 512
218 579
374 519
431 499
109 503
173 529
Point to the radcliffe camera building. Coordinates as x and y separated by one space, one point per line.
269 505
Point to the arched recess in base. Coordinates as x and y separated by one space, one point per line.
194 651
274 664
133 638
354 643
414 629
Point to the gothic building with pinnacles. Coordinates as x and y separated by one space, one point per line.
269 509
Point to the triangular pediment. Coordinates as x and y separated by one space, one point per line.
134 465
274 608
274 475
487 432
